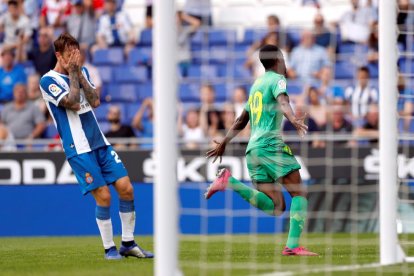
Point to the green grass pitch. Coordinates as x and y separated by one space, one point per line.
199 255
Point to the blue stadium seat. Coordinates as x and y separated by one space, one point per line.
293 36
407 65
222 37
351 48
122 93
111 56
239 72
131 74
344 70
294 88
145 90
146 37
198 40
189 92
252 35
140 56
106 73
203 71
373 70
50 131
220 54
221 92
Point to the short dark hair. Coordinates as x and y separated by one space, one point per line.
269 55
12 2
364 69
64 41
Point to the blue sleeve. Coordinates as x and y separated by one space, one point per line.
52 90
20 75
85 72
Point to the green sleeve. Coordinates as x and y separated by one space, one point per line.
280 87
247 106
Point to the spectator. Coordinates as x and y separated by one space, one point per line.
34 95
327 90
307 60
43 56
355 24
317 110
114 29
209 113
144 121
117 129
93 71
228 116
301 112
186 27
32 11
81 23
10 75
54 13
253 62
312 3
371 125
98 7
361 95
403 16
239 99
405 103
200 9
323 36
148 15
23 118
338 124
273 23
191 131
15 26
373 44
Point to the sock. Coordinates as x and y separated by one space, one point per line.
103 219
253 196
298 212
127 214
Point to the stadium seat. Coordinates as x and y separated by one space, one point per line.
105 72
122 93
145 90
220 54
373 70
407 65
221 92
203 71
145 38
294 88
189 92
239 72
198 40
131 74
293 36
140 56
344 70
111 56
131 110
252 35
351 48
222 37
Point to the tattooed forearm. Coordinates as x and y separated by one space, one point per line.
72 100
90 93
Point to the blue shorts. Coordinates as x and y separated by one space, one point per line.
97 168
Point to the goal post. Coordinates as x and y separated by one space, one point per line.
388 144
165 185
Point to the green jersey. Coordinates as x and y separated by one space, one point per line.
264 112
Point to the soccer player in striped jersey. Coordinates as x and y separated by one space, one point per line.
70 97
269 159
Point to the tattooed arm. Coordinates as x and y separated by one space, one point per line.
91 94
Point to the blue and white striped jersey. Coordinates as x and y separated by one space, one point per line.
79 131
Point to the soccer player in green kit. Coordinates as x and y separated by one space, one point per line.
269 159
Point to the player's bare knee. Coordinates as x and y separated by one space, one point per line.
103 198
126 191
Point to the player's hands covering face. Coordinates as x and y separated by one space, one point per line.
217 152
73 61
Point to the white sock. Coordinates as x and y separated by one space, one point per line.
128 225
105 227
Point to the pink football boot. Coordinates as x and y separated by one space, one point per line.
220 184
298 251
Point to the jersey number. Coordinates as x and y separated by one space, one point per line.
116 157
256 106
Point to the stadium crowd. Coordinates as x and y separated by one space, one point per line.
332 69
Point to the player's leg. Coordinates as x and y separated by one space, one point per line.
114 172
274 192
298 214
90 179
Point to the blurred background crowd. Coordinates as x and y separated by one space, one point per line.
332 66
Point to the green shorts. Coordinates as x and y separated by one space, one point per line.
267 165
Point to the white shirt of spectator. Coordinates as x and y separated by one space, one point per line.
124 27
53 8
12 29
355 25
198 7
360 99
193 134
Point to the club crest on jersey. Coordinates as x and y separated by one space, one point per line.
88 178
53 88
281 84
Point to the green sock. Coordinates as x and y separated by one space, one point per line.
298 212
253 196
